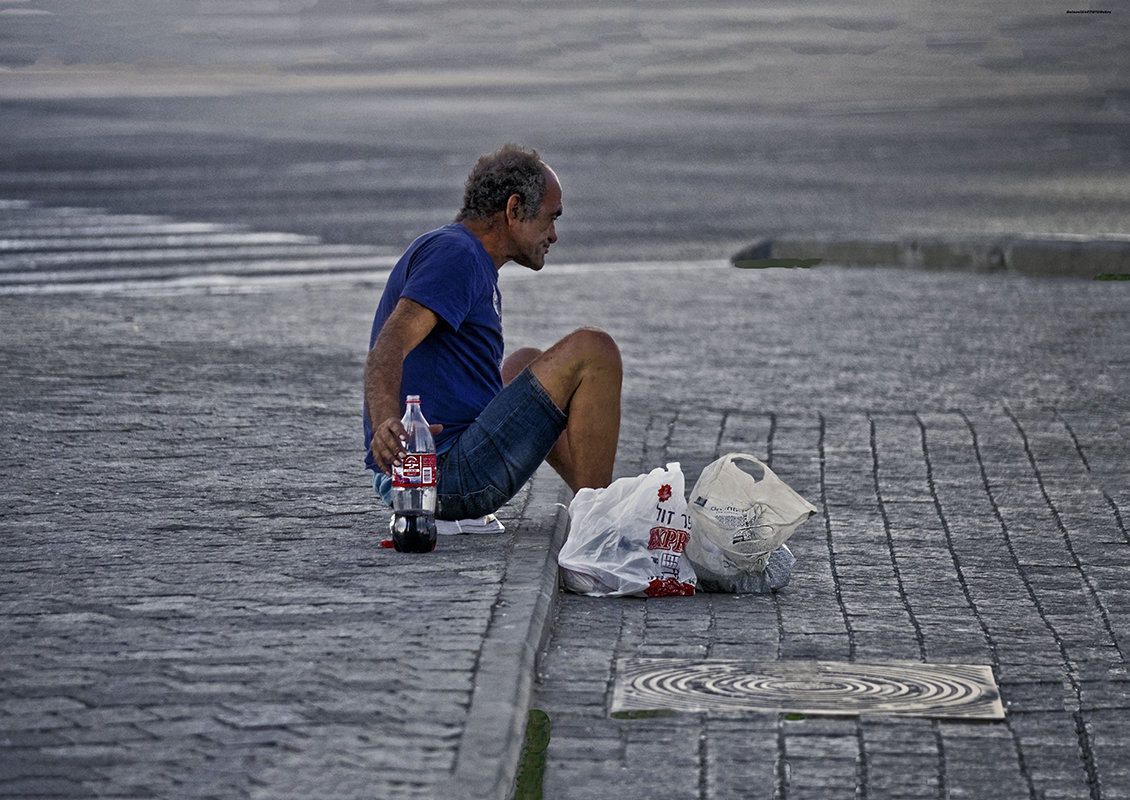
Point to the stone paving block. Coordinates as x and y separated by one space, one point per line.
598 781
40 705
44 787
997 773
676 754
816 646
753 649
585 747
741 758
14 724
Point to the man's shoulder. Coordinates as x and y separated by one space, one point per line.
453 237
450 249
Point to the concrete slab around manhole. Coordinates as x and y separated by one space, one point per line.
953 691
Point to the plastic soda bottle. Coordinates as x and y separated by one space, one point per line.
413 520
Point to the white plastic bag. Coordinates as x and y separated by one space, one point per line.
741 524
630 538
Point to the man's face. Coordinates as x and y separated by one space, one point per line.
532 236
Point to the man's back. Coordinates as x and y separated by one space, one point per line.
456 369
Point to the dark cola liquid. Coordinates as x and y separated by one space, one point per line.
413 533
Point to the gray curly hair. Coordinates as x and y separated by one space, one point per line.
495 177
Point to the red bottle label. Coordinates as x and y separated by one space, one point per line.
418 470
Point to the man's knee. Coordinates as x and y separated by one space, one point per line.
585 357
596 345
518 361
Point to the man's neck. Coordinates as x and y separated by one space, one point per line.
492 236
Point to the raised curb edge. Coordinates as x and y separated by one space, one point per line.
1029 254
491 745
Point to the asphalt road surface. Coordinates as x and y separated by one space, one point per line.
679 130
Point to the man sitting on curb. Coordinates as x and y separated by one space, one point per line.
438 334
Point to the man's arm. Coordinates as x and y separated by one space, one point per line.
405 328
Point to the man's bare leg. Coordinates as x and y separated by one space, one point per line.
517 361
582 374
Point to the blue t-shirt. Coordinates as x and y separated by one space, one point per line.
457 368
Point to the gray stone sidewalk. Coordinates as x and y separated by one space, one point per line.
194 603
965 438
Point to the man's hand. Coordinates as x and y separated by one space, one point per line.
389 442
389 439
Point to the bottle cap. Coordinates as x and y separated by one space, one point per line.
412 398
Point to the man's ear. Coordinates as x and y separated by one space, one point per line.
515 208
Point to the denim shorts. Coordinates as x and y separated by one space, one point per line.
494 457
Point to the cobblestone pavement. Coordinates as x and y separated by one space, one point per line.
965 439
194 604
